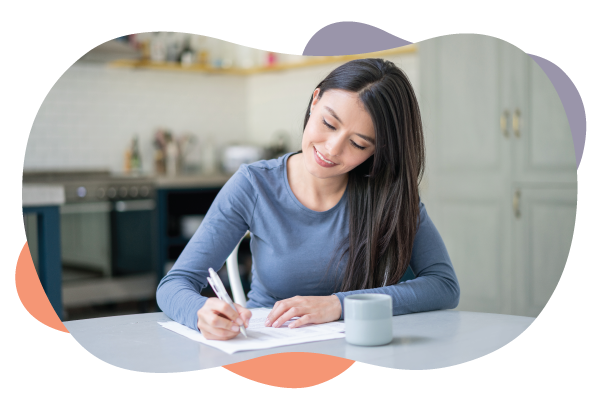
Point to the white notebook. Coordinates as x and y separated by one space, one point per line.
261 337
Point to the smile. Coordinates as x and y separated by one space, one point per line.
322 161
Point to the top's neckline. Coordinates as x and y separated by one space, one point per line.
298 203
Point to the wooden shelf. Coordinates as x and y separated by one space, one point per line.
310 61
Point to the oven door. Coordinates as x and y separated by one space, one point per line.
133 234
85 236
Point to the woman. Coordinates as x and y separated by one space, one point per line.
340 217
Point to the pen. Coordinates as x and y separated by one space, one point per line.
219 289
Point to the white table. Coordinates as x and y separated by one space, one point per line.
421 341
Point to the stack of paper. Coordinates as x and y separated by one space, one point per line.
261 337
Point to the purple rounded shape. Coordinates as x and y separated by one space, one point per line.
576 78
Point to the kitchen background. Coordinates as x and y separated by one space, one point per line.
142 132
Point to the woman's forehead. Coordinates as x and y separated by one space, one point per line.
342 96
343 102
348 109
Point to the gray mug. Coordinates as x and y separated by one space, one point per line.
368 319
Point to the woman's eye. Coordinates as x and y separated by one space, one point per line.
333 129
357 146
327 125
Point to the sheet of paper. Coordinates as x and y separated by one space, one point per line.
261 337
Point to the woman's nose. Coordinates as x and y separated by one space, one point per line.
334 144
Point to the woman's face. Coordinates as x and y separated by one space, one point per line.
339 134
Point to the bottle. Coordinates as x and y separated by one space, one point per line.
271 59
159 161
173 47
136 159
127 167
172 158
159 151
187 56
158 47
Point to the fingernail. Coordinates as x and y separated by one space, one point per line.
276 324
267 322
235 328
292 325
239 321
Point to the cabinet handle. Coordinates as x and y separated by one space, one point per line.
517 203
504 123
516 123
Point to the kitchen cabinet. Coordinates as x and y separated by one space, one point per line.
185 196
542 238
42 222
501 171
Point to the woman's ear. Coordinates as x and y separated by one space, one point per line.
315 98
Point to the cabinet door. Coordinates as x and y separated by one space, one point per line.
466 100
543 148
475 233
468 161
543 234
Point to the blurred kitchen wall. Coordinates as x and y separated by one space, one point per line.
277 101
92 112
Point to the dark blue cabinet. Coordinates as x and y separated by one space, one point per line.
49 262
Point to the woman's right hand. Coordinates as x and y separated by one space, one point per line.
218 321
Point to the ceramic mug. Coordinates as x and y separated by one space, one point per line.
368 319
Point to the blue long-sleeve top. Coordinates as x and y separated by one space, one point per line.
293 250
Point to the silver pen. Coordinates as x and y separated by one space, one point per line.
219 289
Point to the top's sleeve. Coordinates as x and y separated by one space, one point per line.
227 220
435 286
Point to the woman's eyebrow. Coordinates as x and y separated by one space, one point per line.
367 138
334 115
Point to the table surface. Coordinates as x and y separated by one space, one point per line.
426 340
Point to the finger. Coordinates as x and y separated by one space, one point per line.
303 320
245 314
282 307
218 321
276 305
227 311
278 310
214 325
218 334
289 314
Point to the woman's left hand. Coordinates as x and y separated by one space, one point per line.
310 309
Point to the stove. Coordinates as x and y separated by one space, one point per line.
108 221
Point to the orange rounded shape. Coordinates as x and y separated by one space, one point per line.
36 315
291 370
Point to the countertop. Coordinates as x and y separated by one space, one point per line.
39 194
42 180
189 181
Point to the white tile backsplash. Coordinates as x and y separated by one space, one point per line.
93 111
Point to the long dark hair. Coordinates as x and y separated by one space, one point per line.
383 192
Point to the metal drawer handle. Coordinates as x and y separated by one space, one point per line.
504 123
134 205
517 203
516 123
86 208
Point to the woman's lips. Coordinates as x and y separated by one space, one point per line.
319 161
